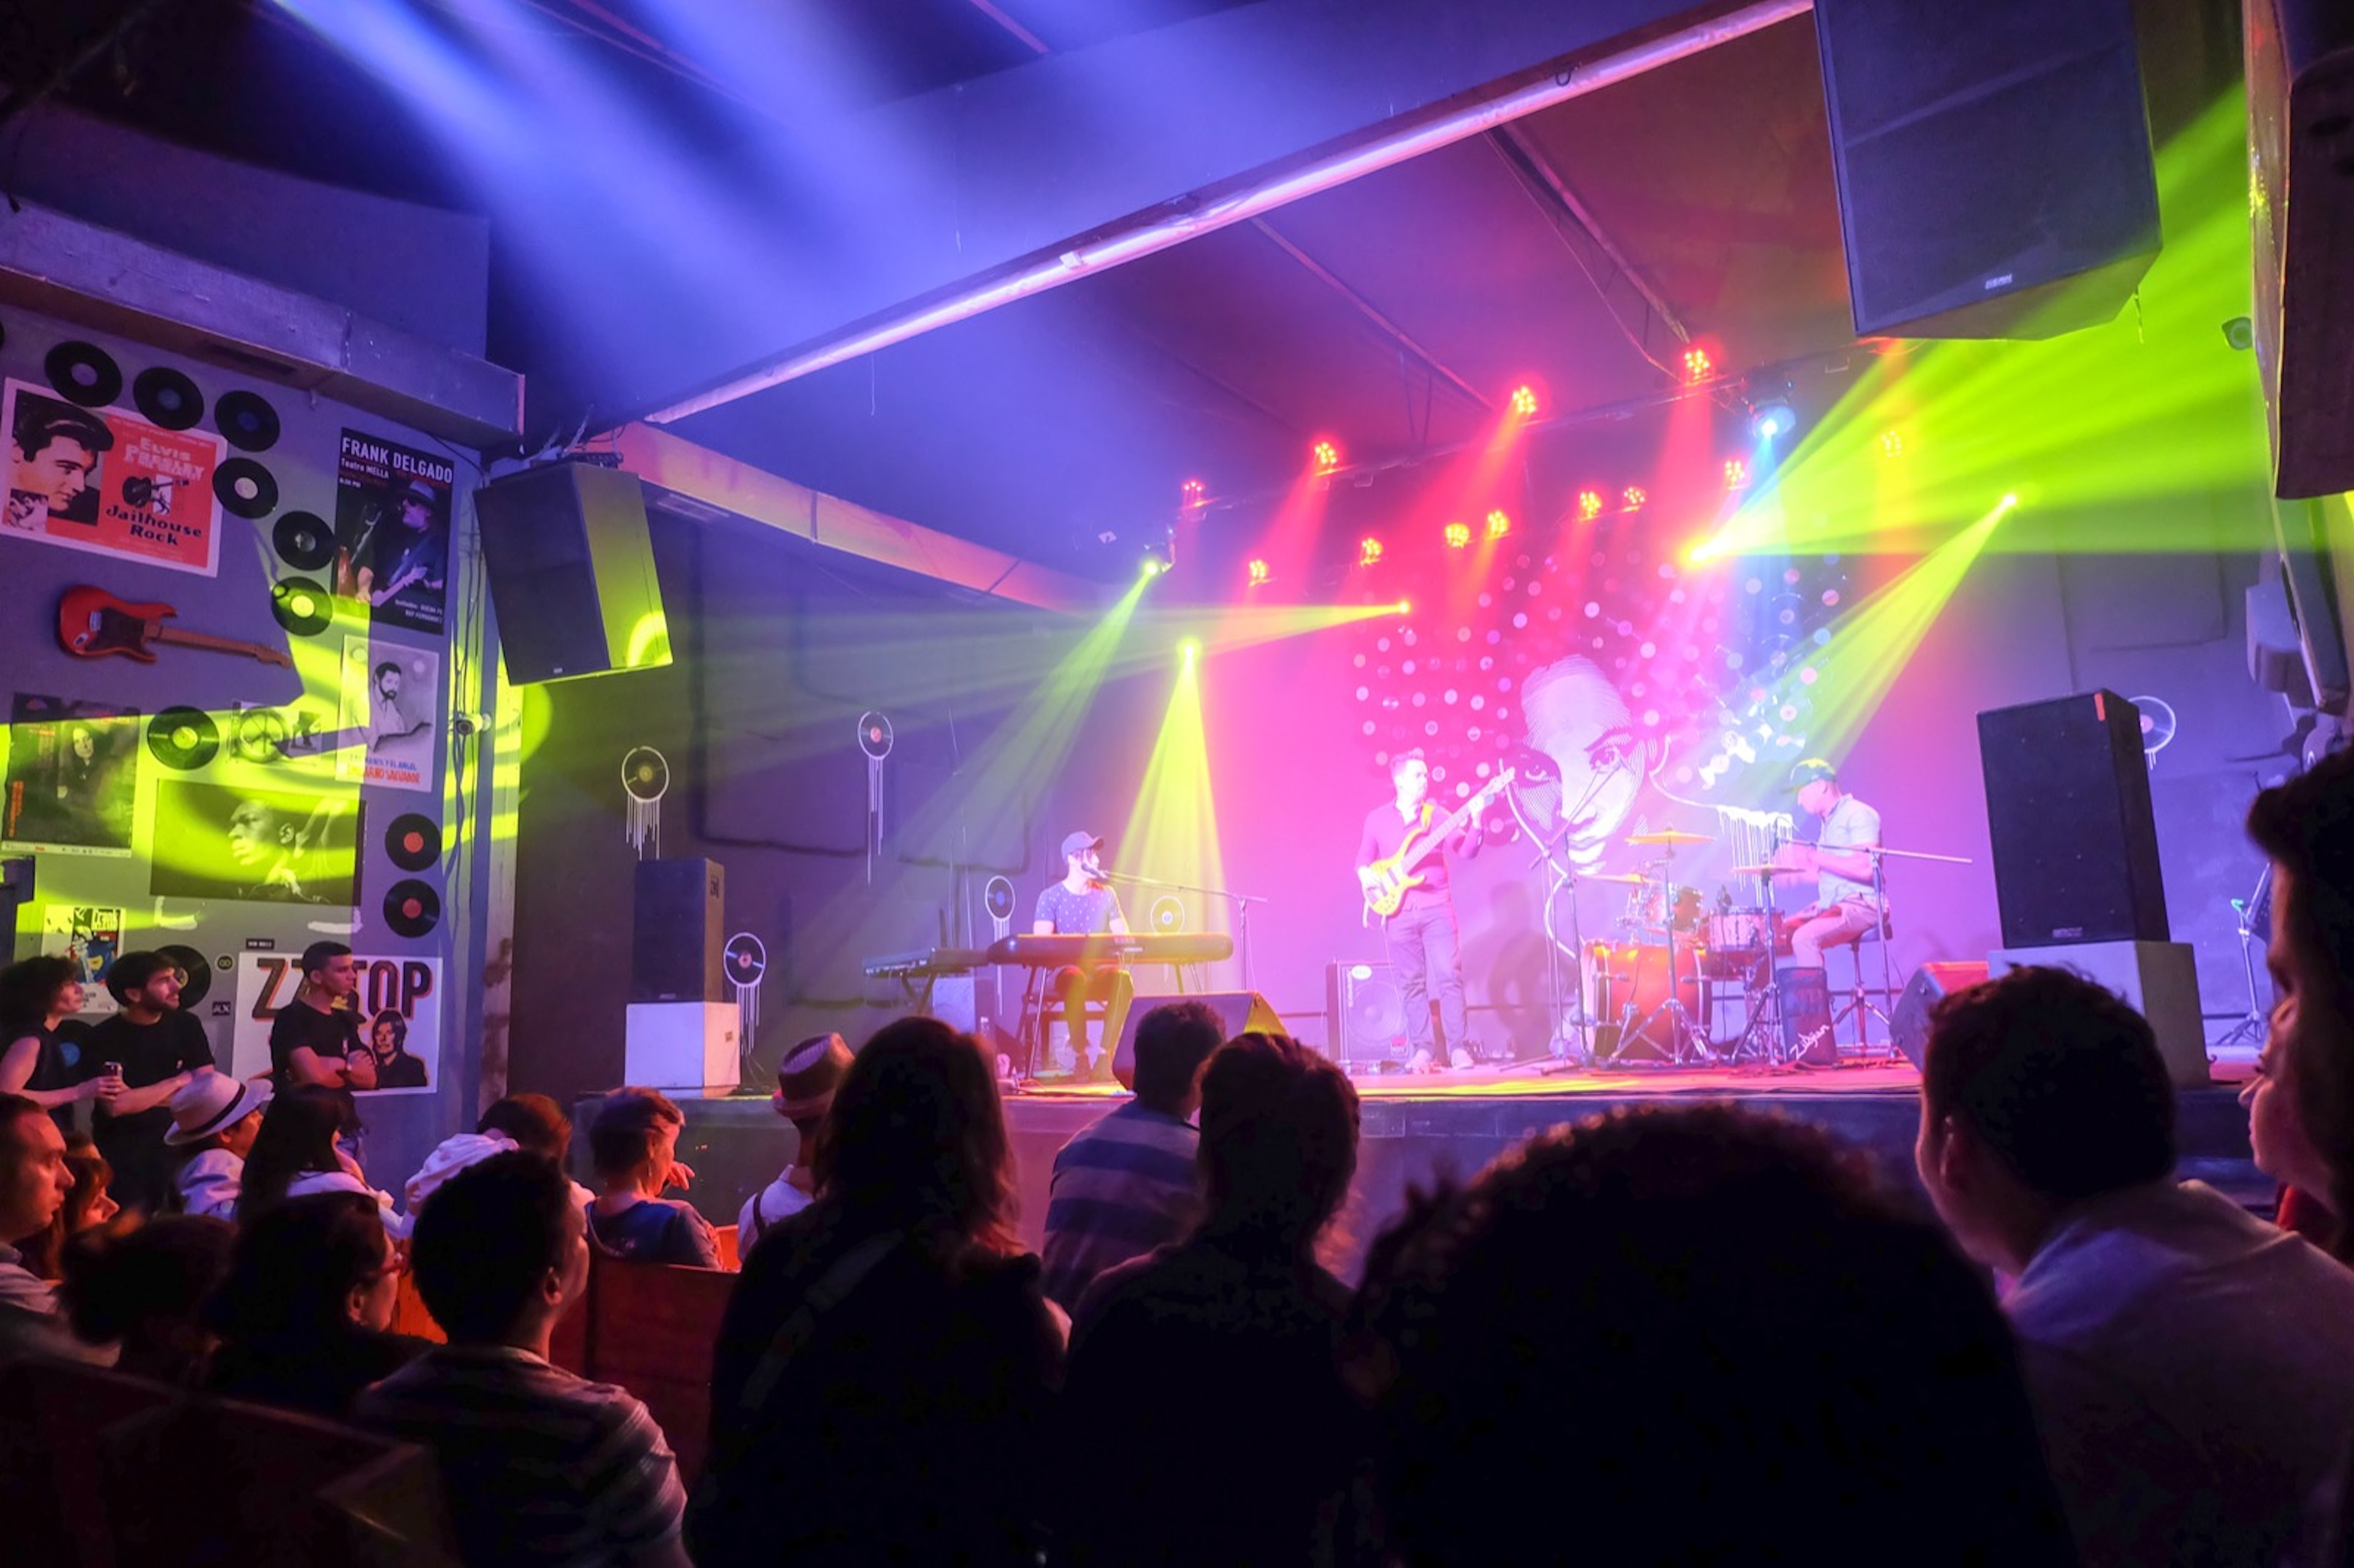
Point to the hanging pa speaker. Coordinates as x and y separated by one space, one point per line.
1364 1015
571 570
2076 844
1995 172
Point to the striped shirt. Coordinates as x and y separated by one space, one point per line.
540 1466
1121 1188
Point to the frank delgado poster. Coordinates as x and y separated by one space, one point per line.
398 1005
392 531
73 774
107 482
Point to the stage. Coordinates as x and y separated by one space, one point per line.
1420 1126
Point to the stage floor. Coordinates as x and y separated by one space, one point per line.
1414 1128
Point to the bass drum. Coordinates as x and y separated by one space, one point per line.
1620 976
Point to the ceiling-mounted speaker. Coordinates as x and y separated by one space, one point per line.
2300 56
571 570
1995 172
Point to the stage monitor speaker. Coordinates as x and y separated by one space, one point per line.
679 915
1364 1016
2076 847
1995 172
1908 1026
2300 63
1239 1012
571 570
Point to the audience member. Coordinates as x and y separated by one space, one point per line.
37 995
882 1378
2193 1367
807 1076
539 1465
1234 1332
1127 1184
294 1155
304 1319
140 1286
215 1120
158 1051
89 1203
634 1143
2282 1149
533 1123
34 1183
316 1038
1705 1336
2307 827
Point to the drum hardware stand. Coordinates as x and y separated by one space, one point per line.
2245 912
1563 876
1685 1040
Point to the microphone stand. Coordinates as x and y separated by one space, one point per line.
1241 901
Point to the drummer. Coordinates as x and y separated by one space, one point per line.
1846 905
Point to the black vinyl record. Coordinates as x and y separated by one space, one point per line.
304 541
195 972
167 397
300 606
183 739
413 841
84 372
411 909
234 477
246 421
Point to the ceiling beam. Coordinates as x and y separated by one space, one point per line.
1382 323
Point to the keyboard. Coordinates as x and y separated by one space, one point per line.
1056 951
924 963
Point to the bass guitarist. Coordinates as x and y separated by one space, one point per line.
1425 950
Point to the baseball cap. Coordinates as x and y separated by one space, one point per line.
1812 770
1076 844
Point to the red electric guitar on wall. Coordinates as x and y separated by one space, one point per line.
92 623
1387 880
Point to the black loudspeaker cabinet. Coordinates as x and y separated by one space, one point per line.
1908 1026
678 919
2075 846
2300 61
1240 1011
1364 1016
571 570
1994 165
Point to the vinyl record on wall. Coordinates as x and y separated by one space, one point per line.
195 972
245 488
411 909
83 373
183 739
167 397
246 421
259 735
304 541
300 606
413 842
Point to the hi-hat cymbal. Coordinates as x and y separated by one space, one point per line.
1672 837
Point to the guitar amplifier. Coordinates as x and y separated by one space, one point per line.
1364 1017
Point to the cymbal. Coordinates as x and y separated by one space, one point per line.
1766 870
1623 879
1672 837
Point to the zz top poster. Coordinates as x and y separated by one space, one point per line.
397 1005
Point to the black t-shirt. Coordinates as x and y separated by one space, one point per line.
149 1053
57 1062
332 1035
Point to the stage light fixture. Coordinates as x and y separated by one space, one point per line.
1190 649
1589 505
1891 443
1151 566
1524 401
2009 499
1257 571
1194 491
1369 551
1404 608
1499 523
1773 420
1736 473
1697 365
1631 499
1458 535
1326 455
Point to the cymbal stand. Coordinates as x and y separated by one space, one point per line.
1683 1035
2245 912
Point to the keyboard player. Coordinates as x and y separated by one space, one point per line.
1083 905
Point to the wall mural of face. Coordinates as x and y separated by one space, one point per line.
1584 762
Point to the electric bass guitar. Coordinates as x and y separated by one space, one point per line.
1386 881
